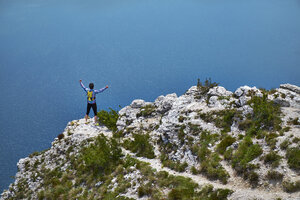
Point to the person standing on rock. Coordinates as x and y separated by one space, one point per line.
91 99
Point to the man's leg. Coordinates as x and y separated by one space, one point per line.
88 108
94 106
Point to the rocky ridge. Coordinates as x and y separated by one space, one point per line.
197 135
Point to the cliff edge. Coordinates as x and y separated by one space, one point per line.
209 143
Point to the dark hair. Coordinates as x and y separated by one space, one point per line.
91 85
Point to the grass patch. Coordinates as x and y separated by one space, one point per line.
212 168
146 111
294 121
204 87
274 175
293 157
222 119
272 159
208 193
284 145
174 165
210 164
226 142
246 152
291 186
108 118
102 155
266 114
140 145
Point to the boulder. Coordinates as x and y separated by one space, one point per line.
138 103
164 103
244 90
219 91
282 102
291 87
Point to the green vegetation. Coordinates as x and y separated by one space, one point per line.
284 145
210 162
222 119
208 193
109 119
294 121
194 129
225 119
174 165
227 141
271 139
140 145
146 111
293 157
102 155
266 115
274 175
291 186
296 140
272 159
212 168
203 88
181 134
246 152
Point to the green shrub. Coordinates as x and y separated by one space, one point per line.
146 111
228 154
109 119
182 188
102 155
144 190
222 119
141 146
274 175
266 114
291 186
284 145
245 124
272 159
206 86
208 193
253 178
210 162
207 137
194 170
294 121
212 168
225 119
194 129
174 165
296 140
293 157
227 141
246 152
181 134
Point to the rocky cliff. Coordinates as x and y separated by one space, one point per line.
209 143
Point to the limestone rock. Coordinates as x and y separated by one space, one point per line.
290 87
219 91
138 103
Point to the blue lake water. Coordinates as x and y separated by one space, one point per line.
140 48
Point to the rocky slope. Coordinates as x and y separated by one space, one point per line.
209 143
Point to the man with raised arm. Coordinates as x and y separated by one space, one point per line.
91 99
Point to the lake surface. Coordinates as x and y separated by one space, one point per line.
140 48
